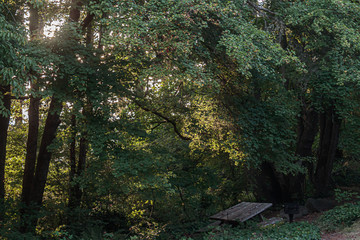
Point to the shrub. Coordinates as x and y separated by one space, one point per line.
339 217
295 231
342 195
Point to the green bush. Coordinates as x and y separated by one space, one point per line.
339 217
342 195
295 231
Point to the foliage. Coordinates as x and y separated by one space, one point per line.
329 48
343 195
298 230
14 64
178 103
339 217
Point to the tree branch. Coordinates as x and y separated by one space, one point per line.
158 124
86 22
259 8
163 117
19 98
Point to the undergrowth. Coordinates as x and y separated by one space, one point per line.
295 231
339 217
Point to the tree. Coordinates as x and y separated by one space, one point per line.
13 66
329 48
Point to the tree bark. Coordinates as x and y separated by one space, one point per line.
31 149
51 125
44 157
72 188
307 130
27 222
49 134
82 154
329 138
289 188
293 185
4 125
75 190
268 186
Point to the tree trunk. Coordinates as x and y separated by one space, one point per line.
44 157
73 187
75 190
72 156
27 221
292 186
307 130
49 134
268 185
4 125
329 138
27 216
31 149
82 155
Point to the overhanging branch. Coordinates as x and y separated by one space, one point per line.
173 123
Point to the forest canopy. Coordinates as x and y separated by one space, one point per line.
114 112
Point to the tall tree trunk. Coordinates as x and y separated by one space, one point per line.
31 149
4 125
82 159
44 156
294 185
329 138
51 125
75 192
26 220
49 134
72 189
307 130
29 214
76 171
268 186
289 188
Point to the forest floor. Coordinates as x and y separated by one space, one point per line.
349 233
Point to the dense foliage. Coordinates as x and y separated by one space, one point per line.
340 217
140 118
299 231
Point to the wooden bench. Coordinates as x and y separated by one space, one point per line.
241 212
